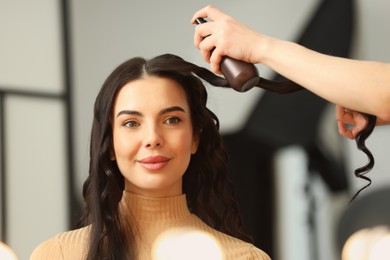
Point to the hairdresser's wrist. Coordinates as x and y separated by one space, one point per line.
262 50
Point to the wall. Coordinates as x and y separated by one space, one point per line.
34 160
103 35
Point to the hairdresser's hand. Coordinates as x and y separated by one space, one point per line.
349 122
227 37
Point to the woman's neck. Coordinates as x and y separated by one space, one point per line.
155 209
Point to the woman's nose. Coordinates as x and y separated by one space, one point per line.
154 138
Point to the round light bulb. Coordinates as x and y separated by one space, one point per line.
380 250
368 244
186 244
6 252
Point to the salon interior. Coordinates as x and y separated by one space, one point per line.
293 172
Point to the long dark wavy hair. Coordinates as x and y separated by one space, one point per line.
209 193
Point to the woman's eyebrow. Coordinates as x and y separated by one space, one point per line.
164 111
129 112
172 109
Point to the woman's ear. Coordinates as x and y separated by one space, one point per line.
112 155
195 143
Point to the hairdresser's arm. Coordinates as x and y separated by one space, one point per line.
350 122
359 85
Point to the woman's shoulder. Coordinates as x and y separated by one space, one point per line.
238 249
257 253
66 245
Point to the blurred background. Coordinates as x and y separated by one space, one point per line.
294 174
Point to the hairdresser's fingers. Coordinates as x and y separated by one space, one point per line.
360 122
345 122
350 131
210 28
343 115
209 12
340 112
350 122
201 32
210 52
350 117
347 118
357 129
205 55
344 130
215 60
206 46
353 117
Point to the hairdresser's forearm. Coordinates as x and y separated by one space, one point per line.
360 85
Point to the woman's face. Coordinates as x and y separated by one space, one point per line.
153 137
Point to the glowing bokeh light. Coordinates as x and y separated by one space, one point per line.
6 252
178 244
368 244
381 249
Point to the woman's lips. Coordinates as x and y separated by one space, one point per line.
154 163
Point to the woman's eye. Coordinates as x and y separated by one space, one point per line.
131 124
172 120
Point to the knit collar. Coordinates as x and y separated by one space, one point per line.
156 209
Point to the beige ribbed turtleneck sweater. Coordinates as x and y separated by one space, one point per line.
155 216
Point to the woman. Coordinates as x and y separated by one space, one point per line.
157 162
